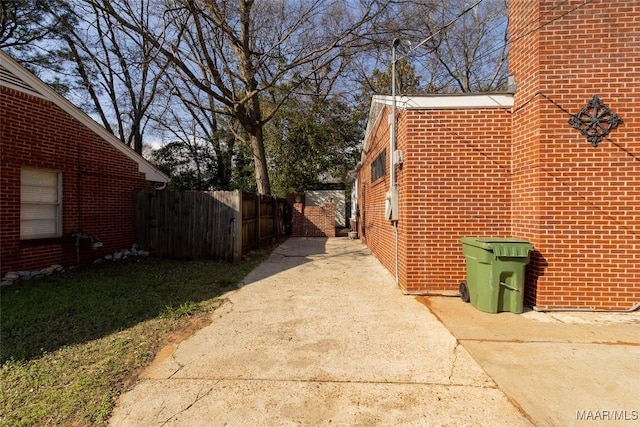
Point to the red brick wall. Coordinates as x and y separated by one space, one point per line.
454 182
526 180
377 232
98 183
579 205
527 173
313 221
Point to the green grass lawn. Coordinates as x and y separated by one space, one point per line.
70 344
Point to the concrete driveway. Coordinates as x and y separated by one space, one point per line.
318 335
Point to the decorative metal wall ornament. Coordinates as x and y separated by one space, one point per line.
595 121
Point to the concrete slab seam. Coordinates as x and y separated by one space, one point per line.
320 381
576 342
513 401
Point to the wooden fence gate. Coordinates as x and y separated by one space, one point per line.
215 225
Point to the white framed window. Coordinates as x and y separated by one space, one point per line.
40 203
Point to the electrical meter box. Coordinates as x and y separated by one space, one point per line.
391 205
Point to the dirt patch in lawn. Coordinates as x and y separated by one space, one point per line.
187 328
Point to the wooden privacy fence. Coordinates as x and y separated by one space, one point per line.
216 224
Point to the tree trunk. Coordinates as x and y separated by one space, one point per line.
260 162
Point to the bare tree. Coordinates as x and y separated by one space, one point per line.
249 47
118 70
454 46
468 48
198 129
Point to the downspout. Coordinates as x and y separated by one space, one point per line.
79 235
396 229
79 168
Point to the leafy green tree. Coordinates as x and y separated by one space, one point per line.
196 163
312 140
407 81
243 172
190 166
23 22
28 32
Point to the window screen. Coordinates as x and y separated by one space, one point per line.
40 197
379 166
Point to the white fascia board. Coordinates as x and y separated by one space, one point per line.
448 102
151 172
374 115
434 102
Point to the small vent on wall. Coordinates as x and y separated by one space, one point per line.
8 79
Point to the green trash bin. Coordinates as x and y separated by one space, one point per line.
495 273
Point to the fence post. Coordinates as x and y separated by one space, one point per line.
258 220
276 216
236 229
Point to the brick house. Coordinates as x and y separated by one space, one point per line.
531 165
319 211
66 184
312 218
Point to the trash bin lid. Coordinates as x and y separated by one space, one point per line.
501 246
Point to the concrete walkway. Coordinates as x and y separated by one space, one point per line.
319 335
562 368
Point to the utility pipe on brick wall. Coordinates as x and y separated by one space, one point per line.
392 145
396 228
585 310
392 142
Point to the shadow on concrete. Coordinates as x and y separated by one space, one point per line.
297 251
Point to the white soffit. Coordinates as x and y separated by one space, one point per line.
447 102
